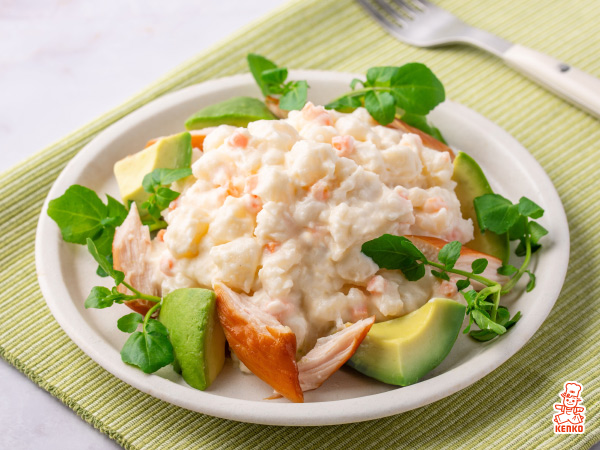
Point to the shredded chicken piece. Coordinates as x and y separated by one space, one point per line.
131 254
330 353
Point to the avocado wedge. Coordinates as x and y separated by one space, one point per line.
171 152
237 111
471 183
401 351
198 341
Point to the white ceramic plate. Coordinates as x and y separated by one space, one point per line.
66 272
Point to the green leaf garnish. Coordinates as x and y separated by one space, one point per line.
381 106
117 275
78 213
148 350
156 184
410 92
81 215
495 213
272 82
529 209
258 65
440 275
479 265
396 252
449 254
294 95
462 284
130 322
99 298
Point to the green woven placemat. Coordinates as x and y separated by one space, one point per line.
510 408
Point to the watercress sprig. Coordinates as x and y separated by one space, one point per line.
494 213
157 183
500 215
149 349
81 215
272 82
410 92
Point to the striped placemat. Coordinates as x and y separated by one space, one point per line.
510 408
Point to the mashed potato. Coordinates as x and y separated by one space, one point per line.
279 211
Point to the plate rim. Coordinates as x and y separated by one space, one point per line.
306 414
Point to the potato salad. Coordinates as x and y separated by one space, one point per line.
279 210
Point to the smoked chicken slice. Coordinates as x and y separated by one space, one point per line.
265 346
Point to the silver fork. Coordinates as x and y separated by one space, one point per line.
423 24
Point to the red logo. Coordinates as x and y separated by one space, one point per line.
570 418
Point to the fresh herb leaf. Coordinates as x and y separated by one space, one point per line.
512 321
294 96
345 104
486 335
536 232
507 269
117 275
130 322
99 298
462 284
396 252
381 76
483 321
502 315
147 350
274 76
479 265
529 209
440 275
163 177
258 65
155 183
272 81
354 82
518 229
117 212
495 213
81 215
154 326
531 283
416 89
78 213
381 106
412 90
449 254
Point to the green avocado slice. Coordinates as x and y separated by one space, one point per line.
471 183
401 351
171 152
198 340
237 111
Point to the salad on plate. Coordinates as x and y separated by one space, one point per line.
295 238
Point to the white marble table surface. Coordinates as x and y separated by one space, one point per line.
62 64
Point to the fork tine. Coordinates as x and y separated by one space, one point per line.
407 7
395 15
393 28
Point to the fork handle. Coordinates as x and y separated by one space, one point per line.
574 85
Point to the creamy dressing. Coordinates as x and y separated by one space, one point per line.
279 211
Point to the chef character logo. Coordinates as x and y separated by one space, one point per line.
570 418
